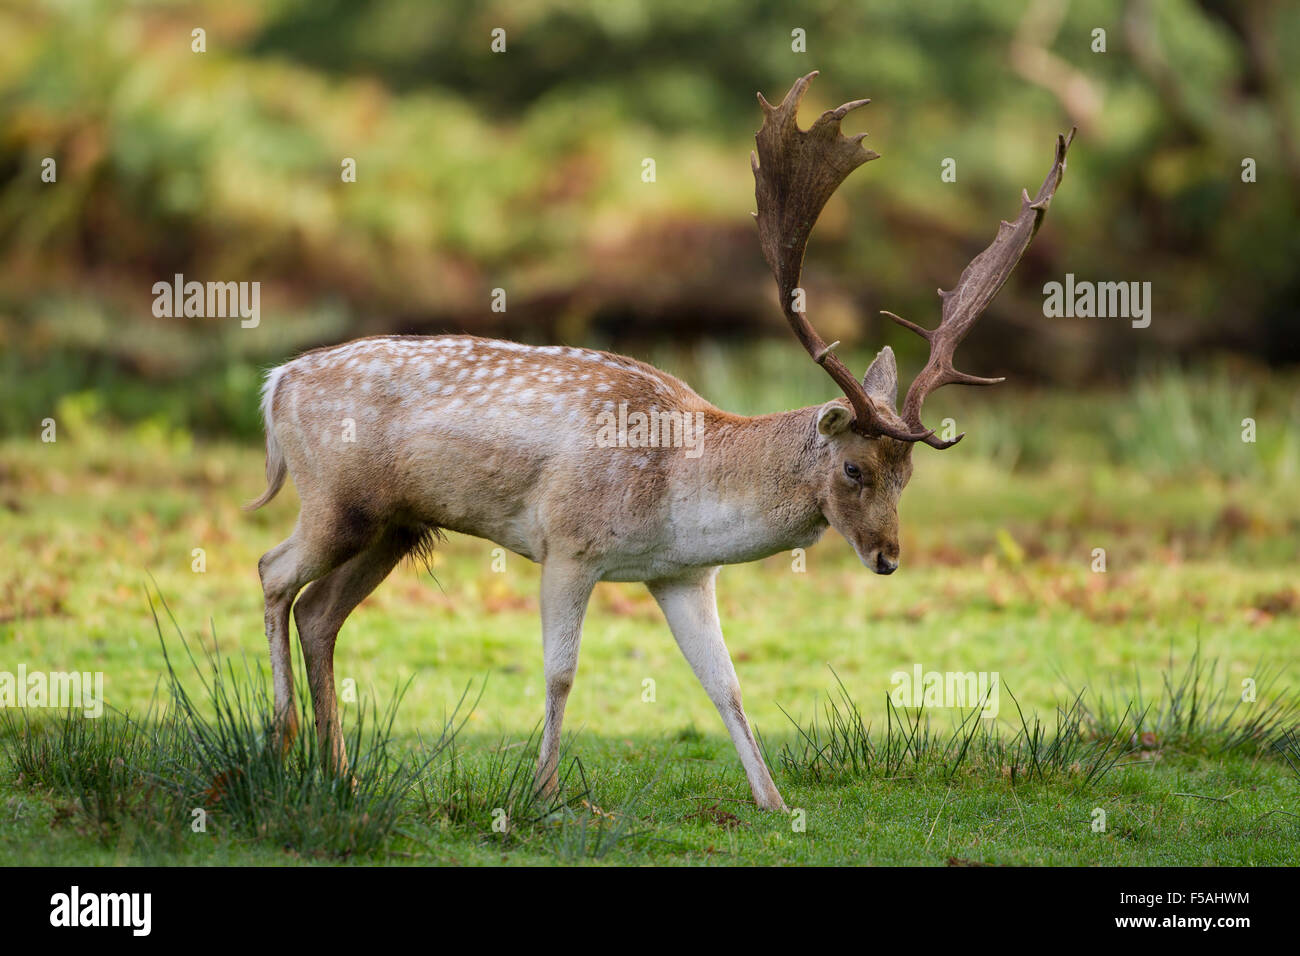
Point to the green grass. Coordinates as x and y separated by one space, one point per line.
679 799
1146 663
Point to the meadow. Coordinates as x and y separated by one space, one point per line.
1122 689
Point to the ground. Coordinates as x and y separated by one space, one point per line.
1000 573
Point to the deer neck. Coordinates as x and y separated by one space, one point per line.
759 476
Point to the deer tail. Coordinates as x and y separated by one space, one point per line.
275 466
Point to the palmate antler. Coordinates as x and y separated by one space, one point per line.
979 283
795 173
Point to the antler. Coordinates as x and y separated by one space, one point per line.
795 173
964 304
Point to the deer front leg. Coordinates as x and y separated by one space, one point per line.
566 588
691 608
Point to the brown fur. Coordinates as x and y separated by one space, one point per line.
390 440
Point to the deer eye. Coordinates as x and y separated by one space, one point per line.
853 471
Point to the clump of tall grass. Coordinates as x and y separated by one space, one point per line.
1071 747
1287 745
1192 712
212 764
238 772
840 743
1196 710
109 767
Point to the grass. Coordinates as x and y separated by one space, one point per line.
219 758
213 764
137 787
923 801
1128 683
107 770
843 746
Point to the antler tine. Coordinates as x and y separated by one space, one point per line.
965 302
795 173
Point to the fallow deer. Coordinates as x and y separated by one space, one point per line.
499 441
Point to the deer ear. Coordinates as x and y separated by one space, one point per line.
833 418
881 380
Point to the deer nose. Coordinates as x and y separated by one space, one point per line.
884 564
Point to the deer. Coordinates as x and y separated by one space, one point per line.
498 440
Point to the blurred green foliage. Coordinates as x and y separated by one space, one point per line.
522 170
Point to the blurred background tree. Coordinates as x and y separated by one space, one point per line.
522 170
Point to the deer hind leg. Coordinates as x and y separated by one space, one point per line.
565 592
320 613
691 608
282 578
322 540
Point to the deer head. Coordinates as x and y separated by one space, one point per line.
864 446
